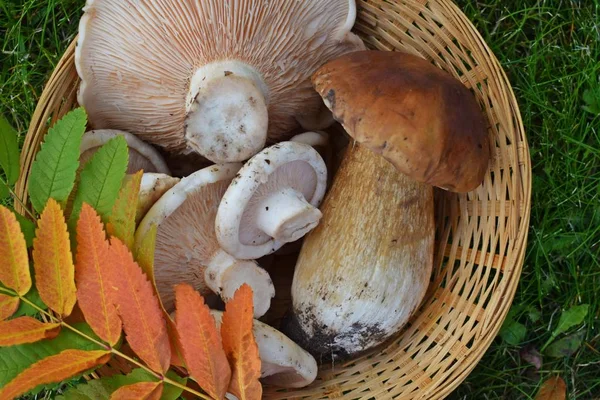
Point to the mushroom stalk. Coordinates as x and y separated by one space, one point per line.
227 117
286 216
224 275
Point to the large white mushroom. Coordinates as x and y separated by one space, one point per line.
217 77
187 250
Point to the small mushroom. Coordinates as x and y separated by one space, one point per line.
214 76
363 272
283 362
142 156
273 200
186 246
152 188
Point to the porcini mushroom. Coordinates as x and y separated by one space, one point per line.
214 76
142 156
283 362
186 246
272 200
152 187
365 269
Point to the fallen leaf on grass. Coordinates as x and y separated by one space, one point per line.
553 389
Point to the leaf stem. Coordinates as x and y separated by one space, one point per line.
103 345
17 198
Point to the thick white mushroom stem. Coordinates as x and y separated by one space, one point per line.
224 275
286 216
227 117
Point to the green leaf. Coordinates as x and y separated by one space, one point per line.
566 346
54 169
101 389
4 192
570 318
25 309
533 314
9 151
15 359
592 100
27 227
513 332
101 178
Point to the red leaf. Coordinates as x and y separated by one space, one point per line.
26 330
138 308
553 389
14 269
53 262
8 306
240 345
53 369
201 345
91 275
139 391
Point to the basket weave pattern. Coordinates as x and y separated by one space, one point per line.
480 236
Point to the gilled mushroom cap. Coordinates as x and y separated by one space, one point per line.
152 188
142 156
418 117
272 200
283 362
186 245
199 74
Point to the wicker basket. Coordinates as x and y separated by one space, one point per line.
481 236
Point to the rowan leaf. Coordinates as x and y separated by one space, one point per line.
121 222
91 276
9 151
34 297
138 307
101 178
53 262
8 306
201 345
27 227
553 389
54 169
14 269
54 369
240 345
26 330
15 359
139 391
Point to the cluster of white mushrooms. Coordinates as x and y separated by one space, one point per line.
229 81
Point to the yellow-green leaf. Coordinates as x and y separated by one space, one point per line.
53 261
121 222
14 268
26 330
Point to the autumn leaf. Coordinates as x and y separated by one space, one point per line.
121 222
14 270
26 330
8 306
240 345
91 275
53 262
138 308
553 389
201 345
54 369
139 391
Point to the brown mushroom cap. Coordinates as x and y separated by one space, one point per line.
418 117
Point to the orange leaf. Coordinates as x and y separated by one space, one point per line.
240 345
53 369
139 391
201 345
553 389
8 306
138 308
26 330
91 275
14 269
121 222
53 262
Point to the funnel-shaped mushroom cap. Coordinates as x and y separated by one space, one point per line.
204 74
283 362
273 200
418 117
187 250
152 188
142 156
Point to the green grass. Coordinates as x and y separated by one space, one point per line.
551 52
